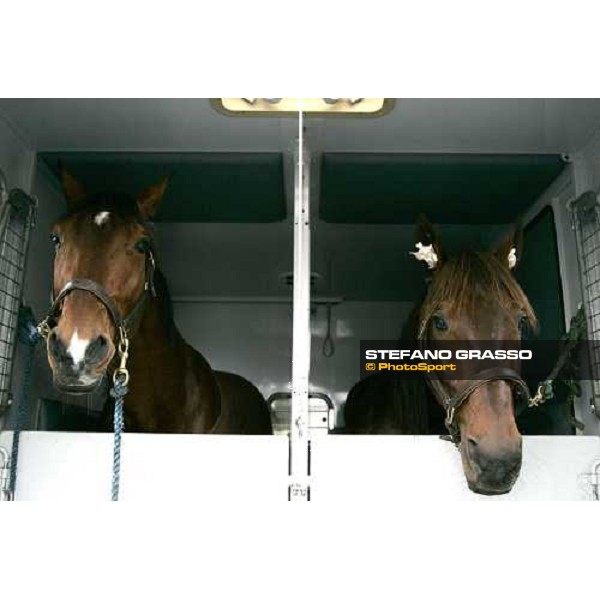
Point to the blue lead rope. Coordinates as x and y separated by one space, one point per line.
117 392
30 334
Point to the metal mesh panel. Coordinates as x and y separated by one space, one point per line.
586 221
16 219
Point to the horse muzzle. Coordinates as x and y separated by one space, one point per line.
491 473
78 368
77 387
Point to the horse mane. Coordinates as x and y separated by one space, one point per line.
163 296
469 277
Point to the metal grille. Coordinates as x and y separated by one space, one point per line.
16 219
586 222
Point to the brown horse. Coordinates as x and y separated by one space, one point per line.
471 296
105 239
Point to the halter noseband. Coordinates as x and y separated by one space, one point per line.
480 378
122 325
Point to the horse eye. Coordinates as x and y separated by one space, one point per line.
142 245
440 323
522 323
55 239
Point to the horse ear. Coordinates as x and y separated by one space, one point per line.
511 247
428 243
150 198
73 190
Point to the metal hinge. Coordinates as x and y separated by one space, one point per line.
5 491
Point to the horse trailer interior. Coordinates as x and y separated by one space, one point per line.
285 241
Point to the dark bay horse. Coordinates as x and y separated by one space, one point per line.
471 296
105 239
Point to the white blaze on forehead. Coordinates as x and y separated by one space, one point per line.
101 218
512 258
426 254
77 348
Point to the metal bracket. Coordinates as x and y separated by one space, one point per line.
5 491
299 491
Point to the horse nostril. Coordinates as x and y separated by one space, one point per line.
57 348
54 340
96 350
472 443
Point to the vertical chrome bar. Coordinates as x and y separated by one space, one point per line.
299 488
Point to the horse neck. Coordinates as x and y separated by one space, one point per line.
173 378
157 327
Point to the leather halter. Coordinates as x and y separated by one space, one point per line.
480 378
122 324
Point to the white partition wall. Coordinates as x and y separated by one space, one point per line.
366 469
69 467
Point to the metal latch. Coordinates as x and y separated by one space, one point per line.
5 491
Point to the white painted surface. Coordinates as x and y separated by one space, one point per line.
173 468
366 469
207 468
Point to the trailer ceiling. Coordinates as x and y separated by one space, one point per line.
530 126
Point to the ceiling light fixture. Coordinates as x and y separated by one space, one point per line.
278 107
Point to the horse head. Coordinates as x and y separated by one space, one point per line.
103 253
474 296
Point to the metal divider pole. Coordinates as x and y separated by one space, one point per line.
299 465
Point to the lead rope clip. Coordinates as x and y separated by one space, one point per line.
121 374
